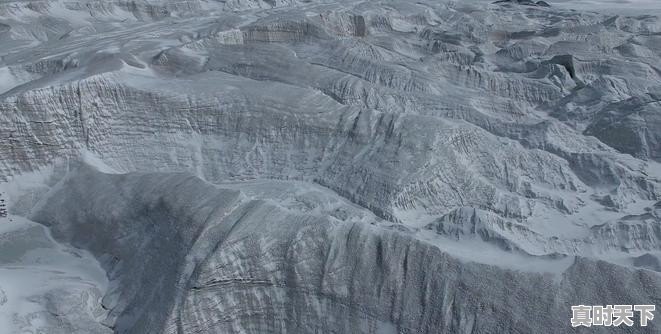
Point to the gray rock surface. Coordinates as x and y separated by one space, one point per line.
218 260
399 166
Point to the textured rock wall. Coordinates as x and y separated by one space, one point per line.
451 126
215 260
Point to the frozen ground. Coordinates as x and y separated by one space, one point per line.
46 287
328 166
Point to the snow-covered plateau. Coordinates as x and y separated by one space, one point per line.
305 166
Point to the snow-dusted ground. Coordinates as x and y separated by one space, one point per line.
301 166
47 287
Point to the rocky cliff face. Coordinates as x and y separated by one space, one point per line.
232 260
492 140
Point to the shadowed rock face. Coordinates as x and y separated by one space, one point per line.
647 261
185 256
631 126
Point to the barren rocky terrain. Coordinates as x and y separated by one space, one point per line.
294 166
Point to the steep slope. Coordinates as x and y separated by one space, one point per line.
219 260
402 110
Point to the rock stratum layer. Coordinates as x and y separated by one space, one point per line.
225 260
433 167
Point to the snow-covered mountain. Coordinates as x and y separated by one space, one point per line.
341 167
